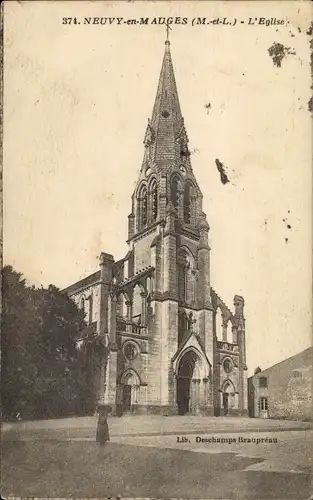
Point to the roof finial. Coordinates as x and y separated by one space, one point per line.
168 28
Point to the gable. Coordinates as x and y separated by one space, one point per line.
191 343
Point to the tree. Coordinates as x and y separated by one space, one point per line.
42 370
18 324
56 354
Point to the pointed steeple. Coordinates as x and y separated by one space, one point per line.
166 188
167 97
166 132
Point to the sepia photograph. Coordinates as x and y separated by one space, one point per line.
157 250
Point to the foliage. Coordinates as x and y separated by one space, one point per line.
42 371
19 319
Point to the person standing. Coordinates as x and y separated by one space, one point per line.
102 427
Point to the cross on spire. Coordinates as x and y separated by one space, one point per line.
168 28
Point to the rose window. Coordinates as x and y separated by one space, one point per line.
228 365
130 351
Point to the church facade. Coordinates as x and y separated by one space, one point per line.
174 346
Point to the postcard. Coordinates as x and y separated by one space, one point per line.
157 250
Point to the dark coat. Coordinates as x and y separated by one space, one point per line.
102 430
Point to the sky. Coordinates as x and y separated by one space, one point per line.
76 103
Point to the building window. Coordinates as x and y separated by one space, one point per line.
174 192
228 365
154 192
185 276
263 404
297 374
262 382
187 204
182 326
143 207
182 321
130 351
219 320
82 303
182 272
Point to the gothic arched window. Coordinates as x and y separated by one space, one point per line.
227 365
187 204
186 284
143 204
182 326
154 194
137 304
182 320
219 321
182 282
174 192
182 276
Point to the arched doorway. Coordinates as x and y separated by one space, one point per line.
130 385
185 373
228 395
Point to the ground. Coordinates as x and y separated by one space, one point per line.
158 457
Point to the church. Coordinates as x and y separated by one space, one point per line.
173 347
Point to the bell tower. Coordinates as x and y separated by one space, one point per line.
166 173
169 232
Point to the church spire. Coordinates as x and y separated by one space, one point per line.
166 173
166 126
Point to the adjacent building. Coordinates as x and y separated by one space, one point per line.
283 390
175 346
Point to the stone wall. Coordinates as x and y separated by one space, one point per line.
143 251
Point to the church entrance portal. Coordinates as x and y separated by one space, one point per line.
185 374
128 392
126 398
228 397
225 402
